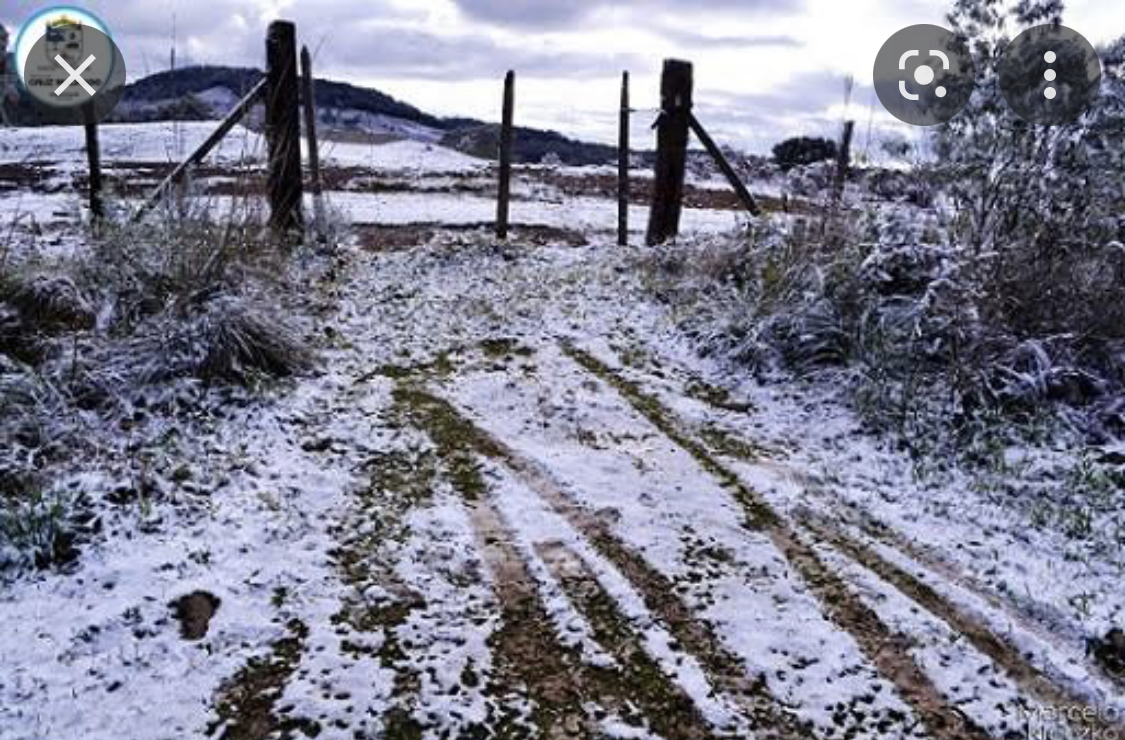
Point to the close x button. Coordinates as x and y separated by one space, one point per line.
72 70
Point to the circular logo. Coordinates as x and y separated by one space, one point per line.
924 75
1050 75
70 67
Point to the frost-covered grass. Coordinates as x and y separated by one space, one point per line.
114 350
885 308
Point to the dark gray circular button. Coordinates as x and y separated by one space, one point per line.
74 74
924 75
1050 75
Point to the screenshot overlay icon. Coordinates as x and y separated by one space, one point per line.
924 75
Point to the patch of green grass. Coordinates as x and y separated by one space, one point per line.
246 702
456 439
715 397
504 348
37 528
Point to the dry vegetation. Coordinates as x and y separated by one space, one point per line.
114 350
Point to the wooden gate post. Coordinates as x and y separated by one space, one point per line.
671 151
623 165
844 159
505 189
308 92
283 128
94 161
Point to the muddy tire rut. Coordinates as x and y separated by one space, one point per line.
887 650
529 660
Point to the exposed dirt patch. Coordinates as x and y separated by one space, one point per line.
378 238
640 192
194 612
1109 652
245 703
401 237
35 177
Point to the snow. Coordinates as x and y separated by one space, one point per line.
579 214
289 506
413 156
65 146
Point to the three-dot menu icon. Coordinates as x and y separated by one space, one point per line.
1050 75
1049 92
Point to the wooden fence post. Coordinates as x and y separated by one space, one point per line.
844 159
308 92
94 161
623 165
671 151
505 189
283 128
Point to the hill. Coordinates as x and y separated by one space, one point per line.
207 92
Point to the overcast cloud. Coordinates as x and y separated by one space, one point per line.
765 69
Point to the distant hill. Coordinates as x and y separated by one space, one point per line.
207 92
206 80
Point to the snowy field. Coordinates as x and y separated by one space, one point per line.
514 502
432 184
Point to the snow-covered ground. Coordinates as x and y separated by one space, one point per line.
433 184
515 502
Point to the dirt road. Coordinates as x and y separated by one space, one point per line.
513 503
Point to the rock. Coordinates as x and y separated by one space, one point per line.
1109 652
194 612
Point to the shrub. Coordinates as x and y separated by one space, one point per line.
152 326
803 150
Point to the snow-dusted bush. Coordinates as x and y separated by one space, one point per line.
148 328
995 291
896 310
224 338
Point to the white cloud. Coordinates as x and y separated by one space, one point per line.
771 68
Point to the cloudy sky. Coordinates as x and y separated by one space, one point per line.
765 69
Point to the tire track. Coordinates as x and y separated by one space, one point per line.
885 649
726 443
1033 680
560 684
1001 651
724 670
649 686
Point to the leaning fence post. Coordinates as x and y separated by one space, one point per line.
225 126
712 148
505 189
623 165
308 92
671 151
283 128
94 161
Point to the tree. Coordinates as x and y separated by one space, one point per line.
802 150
